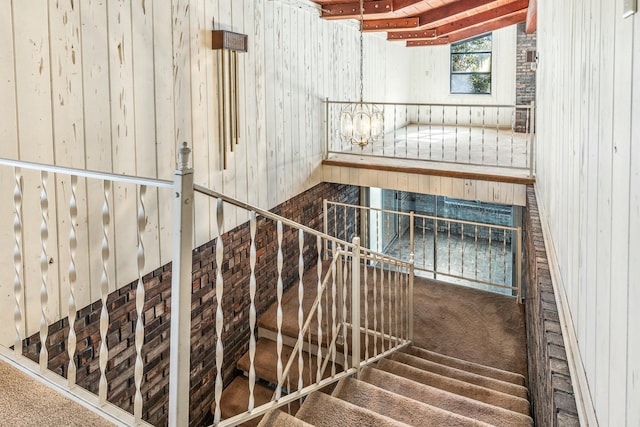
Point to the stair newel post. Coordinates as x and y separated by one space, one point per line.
355 305
410 297
180 351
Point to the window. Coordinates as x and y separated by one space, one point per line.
471 65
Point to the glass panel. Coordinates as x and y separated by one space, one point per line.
480 44
471 63
471 83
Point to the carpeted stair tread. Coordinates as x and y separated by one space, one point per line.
470 377
322 410
277 418
266 358
443 399
400 408
235 399
472 391
487 371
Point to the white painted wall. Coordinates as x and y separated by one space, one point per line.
431 70
118 85
588 184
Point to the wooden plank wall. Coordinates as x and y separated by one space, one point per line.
117 86
588 184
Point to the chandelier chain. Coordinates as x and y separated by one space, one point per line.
361 50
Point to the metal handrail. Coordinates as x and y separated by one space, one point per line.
105 176
423 104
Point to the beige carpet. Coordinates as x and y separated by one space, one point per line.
469 324
26 402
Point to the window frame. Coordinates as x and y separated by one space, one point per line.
471 73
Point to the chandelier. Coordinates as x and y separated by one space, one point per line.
360 123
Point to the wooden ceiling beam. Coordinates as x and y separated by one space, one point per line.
505 21
448 10
461 23
352 9
532 17
389 24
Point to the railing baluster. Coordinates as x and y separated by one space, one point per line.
497 136
396 302
252 308
104 292
390 303
442 135
319 314
355 223
504 256
456 137
344 220
73 245
345 293
382 328
334 328
395 128
366 309
406 130
419 135
219 312
18 266
44 271
490 255
476 251
280 263
449 244
513 129
424 242
140 297
484 110
470 131
430 132
300 311
435 248
375 306
462 249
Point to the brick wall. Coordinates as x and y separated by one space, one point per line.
525 76
550 388
305 208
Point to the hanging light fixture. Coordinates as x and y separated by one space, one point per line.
360 123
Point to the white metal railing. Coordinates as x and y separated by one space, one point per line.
358 311
52 181
359 307
482 255
475 134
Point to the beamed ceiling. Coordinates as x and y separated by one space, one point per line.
433 22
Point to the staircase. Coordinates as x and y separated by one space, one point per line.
412 386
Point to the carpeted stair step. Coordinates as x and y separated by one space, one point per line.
322 410
277 418
266 359
470 377
462 388
235 399
476 368
443 399
398 407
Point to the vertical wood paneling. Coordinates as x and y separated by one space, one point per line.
261 41
588 169
68 140
165 131
123 137
8 148
97 120
200 114
240 175
145 119
633 320
34 119
252 99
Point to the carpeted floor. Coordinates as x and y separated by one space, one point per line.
491 326
458 321
26 402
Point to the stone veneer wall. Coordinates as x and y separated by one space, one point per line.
525 76
550 387
305 208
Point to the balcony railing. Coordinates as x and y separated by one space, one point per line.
493 136
480 255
